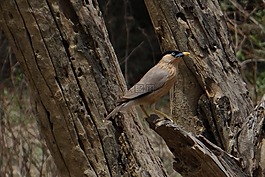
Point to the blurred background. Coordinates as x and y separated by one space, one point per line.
22 150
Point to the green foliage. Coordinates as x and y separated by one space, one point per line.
240 55
261 83
246 22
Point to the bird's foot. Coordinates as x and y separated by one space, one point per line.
163 116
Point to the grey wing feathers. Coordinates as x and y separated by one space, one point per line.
151 81
154 79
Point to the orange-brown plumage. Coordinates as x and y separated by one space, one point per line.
153 85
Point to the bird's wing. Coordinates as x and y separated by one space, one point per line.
150 82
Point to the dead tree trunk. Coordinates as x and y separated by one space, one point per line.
209 89
74 76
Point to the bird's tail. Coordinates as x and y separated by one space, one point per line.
115 110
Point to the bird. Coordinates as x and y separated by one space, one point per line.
152 86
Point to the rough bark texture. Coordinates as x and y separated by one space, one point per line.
74 76
217 95
195 156
251 142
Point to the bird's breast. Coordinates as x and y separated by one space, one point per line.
157 94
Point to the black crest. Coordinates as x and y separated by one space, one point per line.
172 52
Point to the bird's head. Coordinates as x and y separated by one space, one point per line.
172 57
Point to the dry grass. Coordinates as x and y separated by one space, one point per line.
22 150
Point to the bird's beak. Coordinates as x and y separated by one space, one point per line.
182 54
186 53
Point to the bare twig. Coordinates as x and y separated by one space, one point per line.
246 14
130 54
245 62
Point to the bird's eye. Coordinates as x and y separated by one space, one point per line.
173 53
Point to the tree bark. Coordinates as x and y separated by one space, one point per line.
75 79
210 93
195 155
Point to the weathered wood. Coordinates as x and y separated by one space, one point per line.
200 28
222 101
195 156
75 78
172 35
254 147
